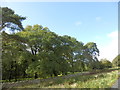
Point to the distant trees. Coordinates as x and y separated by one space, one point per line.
90 55
116 61
105 63
38 52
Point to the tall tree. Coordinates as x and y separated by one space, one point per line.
116 61
11 20
41 44
12 49
90 55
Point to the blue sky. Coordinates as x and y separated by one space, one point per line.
86 21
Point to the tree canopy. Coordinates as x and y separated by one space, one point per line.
105 63
36 51
116 61
11 20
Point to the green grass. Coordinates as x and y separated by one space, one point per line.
69 73
101 80
13 80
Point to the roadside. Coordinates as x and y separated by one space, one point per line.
37 81
117 83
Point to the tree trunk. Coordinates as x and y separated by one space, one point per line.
55 73
36 75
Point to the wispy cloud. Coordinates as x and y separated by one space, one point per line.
78 23
110 51
98 18
113 35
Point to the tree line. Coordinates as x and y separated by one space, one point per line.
37 52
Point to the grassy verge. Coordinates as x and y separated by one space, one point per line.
13 80
23 79
100 80
69 73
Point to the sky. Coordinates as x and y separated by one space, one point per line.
86 21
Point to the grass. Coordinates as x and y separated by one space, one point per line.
100 80
13 80
23 79
69 73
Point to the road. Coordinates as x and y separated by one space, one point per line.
117 84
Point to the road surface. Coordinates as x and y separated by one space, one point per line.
117 84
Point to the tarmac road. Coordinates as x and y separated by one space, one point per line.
117 84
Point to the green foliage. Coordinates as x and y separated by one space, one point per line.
40 53
43 53
116 61
11 20
90 55
14 56
105 63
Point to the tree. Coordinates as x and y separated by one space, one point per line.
42 44
12 50
51 54
106 63
73 52
11 20
90 53
38 52
116 61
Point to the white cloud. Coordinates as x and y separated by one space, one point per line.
113 35
78 23
98 18
110 51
